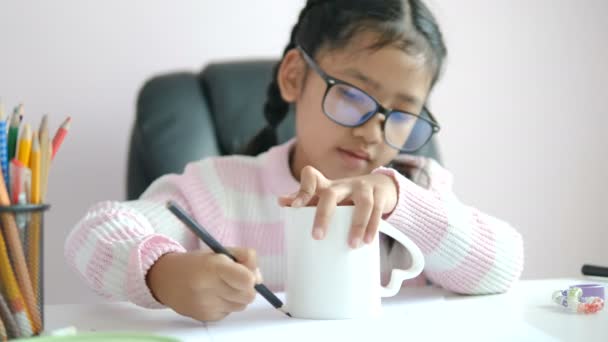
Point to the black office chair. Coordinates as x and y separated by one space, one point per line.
182 117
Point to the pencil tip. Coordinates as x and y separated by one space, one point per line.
19 109
66 124
44 122
284 311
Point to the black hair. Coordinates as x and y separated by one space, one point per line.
409 24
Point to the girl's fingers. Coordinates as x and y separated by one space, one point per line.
245 256
236 275
375 217
363 197
316 189
230 306
311 180
205 316
286 200
231 294
328 200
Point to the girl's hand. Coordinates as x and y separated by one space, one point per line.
203 285
373 195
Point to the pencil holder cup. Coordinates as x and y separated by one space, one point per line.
21 270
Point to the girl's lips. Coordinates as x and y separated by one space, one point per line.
356 154
353 160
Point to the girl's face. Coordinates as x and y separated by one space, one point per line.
393 77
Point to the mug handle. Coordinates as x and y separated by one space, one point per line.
399 275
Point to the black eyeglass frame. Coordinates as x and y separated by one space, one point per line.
387 112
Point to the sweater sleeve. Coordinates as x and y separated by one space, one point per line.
115 244
465 250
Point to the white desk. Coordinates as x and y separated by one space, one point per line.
526 313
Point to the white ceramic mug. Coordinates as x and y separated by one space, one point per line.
327 279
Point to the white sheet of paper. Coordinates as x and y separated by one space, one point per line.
124 317
424 314
420 314
260 322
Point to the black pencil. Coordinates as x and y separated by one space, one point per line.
218 248
593 270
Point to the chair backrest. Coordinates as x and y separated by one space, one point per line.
182 117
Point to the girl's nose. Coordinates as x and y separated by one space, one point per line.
371 131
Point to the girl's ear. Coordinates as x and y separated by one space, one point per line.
291 75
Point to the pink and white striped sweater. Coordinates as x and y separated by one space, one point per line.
235 198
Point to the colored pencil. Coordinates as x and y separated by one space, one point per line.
60 135
3 333
45 157
17 170
13 134
35 167
24 147
6 316
33 235
3 144
17 255
13 292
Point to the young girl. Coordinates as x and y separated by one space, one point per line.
359 74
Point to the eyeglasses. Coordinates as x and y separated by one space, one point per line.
349 106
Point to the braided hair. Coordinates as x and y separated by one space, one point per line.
332 24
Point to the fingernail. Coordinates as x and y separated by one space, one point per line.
317 233
297 203
258 276
355 242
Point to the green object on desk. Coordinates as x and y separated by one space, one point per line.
102 336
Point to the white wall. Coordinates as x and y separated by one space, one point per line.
524 107
521 104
